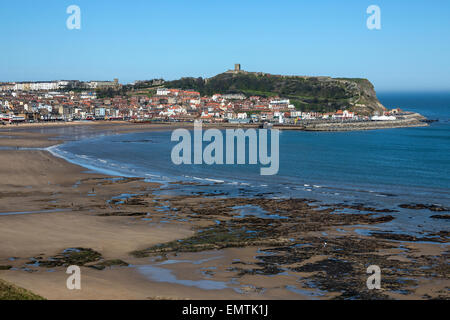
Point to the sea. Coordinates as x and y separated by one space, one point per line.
383 168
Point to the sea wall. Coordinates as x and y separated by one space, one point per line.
408 120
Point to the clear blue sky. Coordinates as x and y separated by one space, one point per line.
145 39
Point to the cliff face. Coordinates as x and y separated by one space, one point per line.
306 93
364 100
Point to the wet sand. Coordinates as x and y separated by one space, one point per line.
300 251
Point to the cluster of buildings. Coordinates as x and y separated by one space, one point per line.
55 101
57 85
58 101
187 105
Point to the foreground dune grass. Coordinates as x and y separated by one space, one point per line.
11 292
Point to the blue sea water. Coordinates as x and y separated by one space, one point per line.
380 167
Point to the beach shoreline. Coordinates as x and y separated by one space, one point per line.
50 205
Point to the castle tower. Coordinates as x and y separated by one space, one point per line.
237 67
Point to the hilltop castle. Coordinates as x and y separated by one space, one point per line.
237 69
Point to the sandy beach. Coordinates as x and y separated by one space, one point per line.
49 206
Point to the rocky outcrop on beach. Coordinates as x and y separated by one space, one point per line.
421 206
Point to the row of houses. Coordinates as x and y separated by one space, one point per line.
57 85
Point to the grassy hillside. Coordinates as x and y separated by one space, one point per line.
11 292
306 93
